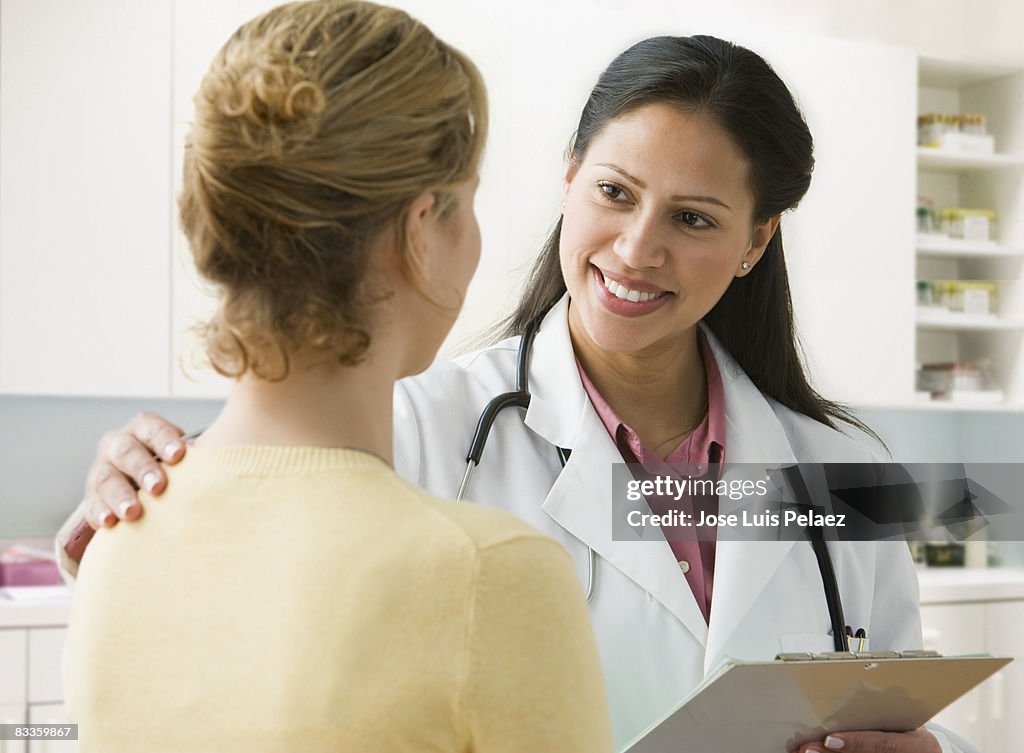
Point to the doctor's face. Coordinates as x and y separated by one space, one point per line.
657 223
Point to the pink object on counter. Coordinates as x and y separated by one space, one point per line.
19 569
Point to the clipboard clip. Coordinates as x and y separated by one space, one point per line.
846 655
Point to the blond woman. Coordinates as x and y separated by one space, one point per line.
290 592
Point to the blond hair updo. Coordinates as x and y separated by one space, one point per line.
317 125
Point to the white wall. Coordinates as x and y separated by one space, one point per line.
534 111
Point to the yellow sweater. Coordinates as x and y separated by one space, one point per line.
308 599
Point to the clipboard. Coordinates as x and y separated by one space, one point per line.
755 706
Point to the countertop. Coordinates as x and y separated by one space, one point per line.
944 585
938 586
35 607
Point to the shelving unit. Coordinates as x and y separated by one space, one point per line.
942 247
952 322
976 181
937 159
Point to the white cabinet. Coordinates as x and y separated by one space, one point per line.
14 714
14 661
31 654
85 197
49 713
1005 637
45 654
954 630
979 611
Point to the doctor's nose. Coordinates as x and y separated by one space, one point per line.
638 245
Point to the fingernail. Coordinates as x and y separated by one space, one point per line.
834 743
123 508
105 518
149 481
172 448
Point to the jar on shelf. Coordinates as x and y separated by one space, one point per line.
960 132
929 130
944 294
945 380
947 223
925 293
977 225
976 125
978 297
925 221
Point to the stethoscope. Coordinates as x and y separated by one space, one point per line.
520 398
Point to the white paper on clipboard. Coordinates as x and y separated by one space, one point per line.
773 706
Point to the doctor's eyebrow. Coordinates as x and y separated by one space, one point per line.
677 197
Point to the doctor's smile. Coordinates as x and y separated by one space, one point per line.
628 297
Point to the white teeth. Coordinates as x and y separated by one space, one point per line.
623 293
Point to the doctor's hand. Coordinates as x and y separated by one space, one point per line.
126 460
918 741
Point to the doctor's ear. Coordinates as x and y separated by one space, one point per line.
759 239
571 168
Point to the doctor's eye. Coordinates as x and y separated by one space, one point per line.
612 191
694 220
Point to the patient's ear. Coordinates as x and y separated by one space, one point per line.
419 221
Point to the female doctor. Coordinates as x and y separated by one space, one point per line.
665 334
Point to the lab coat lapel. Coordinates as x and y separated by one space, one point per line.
743 569
580 500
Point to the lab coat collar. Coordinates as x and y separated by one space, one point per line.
558 400
743 569
580 500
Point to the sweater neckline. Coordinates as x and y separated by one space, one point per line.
268 459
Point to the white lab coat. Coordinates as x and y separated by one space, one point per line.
655 646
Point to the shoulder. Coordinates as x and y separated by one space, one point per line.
478 528
443 404
469 380
813 441
490 366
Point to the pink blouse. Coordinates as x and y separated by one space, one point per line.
705 446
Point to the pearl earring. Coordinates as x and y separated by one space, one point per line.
745 265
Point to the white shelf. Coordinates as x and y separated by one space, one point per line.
951 247
947 74
937 159
945 320
943 406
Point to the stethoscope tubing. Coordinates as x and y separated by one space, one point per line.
520 398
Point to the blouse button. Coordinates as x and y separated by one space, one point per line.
684 566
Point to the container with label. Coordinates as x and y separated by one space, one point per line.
977 225
973 297
958 133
